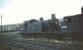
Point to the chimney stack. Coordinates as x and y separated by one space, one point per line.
82 10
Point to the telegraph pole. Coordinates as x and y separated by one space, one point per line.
1 25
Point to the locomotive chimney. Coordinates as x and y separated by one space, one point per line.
53 16
41 19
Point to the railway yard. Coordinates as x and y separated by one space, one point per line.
15 41
51 34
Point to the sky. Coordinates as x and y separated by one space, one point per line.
17 11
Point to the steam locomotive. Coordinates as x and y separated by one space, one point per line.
33 26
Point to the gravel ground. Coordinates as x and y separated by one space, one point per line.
14 41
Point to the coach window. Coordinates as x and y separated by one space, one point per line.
9 28
49 23
66 19
3 29
77 18
69 20
12 28
6 28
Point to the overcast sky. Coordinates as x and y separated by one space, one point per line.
17 11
